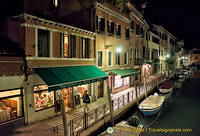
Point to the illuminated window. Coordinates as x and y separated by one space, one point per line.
66 46
55 3
42 97
11 104
85 48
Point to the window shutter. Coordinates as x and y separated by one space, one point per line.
88 48
102 24
108 30
74 46
112 27
97 27
62 45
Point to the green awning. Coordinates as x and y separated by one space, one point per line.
125 72
148 63
59 78
158 63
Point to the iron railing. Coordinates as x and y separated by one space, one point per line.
88 119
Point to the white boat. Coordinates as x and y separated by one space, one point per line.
151 105
166 87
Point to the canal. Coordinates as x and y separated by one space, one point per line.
181 112
180 115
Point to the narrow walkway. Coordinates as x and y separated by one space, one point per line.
39 127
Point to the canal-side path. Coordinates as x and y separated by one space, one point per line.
98 110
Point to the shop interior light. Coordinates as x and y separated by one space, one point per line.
168 56
183 57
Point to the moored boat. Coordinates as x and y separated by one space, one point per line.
151 105
132 127
166 87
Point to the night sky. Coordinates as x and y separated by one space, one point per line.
180 17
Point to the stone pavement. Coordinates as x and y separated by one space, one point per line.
38 129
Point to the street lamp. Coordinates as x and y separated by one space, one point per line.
168 55
118 49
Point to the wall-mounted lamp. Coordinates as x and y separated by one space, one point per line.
118 49
168 55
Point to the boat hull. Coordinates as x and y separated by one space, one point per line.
166 90
148 112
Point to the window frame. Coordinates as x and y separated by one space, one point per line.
13 96
109 28
111 58
127 33
99 24
117 58
125 58
118 30
98 58
43 91
37 44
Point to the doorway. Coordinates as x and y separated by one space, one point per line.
100 89
67 93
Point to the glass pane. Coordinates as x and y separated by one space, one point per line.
10 93
66 46
84 55
40 87
10 108
109 58
43 100
43 43
99 58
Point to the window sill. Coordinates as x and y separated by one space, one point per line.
45 108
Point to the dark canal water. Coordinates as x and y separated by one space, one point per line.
181 112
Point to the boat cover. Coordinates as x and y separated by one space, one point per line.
152 102
166 85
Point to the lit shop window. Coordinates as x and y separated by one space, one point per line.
10 104
43 98
121 82
80 89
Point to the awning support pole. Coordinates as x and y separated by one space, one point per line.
64 117
136 93
145 87
110 104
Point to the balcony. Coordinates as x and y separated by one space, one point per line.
139 61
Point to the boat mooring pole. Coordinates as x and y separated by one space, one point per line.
110 104
136 93
63 113
145 87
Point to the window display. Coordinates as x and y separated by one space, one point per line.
120 82
80 89
43 98
10 104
